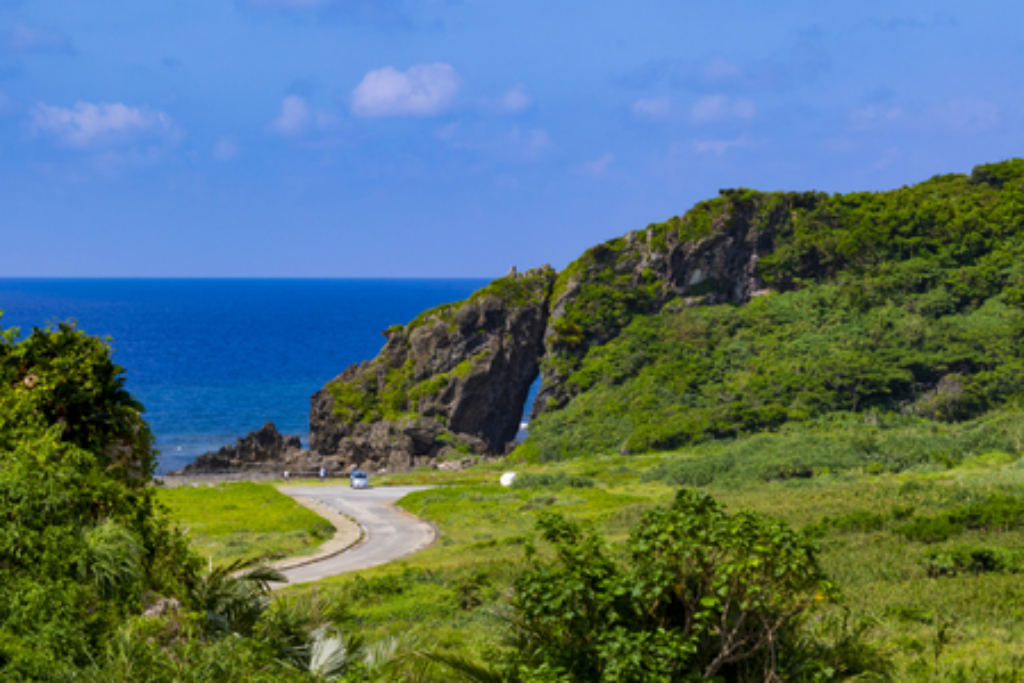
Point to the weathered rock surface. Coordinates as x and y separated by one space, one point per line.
263 450
640 273
457 377
396 446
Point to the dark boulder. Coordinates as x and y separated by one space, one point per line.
264 450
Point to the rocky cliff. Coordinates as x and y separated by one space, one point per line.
452 381
707 256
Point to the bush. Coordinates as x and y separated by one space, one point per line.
973 560
997 513
554 481
698 594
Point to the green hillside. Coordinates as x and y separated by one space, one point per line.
905 303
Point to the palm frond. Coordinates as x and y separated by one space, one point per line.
467 669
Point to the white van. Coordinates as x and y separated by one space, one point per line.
359 479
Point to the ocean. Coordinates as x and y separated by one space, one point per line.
212 360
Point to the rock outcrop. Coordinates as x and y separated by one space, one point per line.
451 385
453 381
264 450
707 256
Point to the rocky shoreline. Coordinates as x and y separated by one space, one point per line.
266 454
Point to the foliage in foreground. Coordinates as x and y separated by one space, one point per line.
698 594
96 582
81 541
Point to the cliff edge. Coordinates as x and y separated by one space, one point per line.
449 384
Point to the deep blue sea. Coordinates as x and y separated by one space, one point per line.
212 360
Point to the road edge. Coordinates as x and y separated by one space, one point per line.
339 532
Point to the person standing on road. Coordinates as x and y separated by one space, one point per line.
323 474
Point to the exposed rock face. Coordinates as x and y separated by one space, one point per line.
457 377
640 273
397 446
261 451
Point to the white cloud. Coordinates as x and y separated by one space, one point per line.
423 90
294 115
225 149
967 115
25 38
297 116
597 167
87 124
655 109
720 107
719 146
515 100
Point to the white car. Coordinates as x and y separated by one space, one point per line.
359 479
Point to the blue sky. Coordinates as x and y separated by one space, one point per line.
448 138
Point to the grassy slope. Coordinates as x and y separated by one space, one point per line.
229 521
447 595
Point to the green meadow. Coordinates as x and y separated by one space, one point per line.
227 522
928 560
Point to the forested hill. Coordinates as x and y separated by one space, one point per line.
750 311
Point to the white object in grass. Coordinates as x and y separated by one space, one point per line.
508 478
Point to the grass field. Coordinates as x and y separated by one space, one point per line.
957 626
895 543
231 521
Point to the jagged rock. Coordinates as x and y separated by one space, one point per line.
458 374
647 269
263 450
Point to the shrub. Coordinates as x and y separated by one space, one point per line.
699 593
552 481
997 513
972 560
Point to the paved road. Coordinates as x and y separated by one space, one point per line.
391 532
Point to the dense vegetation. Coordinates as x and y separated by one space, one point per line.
909 302
96 581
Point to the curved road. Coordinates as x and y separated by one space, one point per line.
391 532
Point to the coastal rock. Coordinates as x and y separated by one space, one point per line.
456 376
260 451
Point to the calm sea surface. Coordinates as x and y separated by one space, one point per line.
214 359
